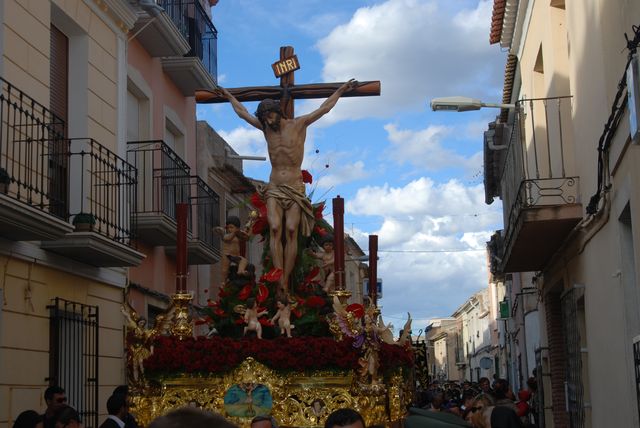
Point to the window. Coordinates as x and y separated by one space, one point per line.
73 355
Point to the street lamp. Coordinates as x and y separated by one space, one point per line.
463 104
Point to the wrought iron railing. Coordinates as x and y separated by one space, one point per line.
205 210
32 152
73 355
164 179
196 27
574 388
102 189
538 168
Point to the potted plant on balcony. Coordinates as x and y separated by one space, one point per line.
5 180
84 222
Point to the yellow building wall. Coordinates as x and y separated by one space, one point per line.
93 42
28 288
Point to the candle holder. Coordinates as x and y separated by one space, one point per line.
182 325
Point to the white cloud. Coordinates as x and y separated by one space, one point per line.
418 50
245 141
344 173
423 149
431 243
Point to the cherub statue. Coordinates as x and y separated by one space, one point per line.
140 346
251 316
283 315
232 235
327 260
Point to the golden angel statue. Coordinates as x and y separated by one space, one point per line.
140 341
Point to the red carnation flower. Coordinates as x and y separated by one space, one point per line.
306 177
317 211
356 309
239 321
296 312
219 312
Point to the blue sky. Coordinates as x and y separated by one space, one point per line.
409 175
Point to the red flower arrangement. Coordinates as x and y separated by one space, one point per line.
217 355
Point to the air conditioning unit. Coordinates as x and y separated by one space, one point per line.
633 95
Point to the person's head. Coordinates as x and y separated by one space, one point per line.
66 417
264 422
477 412
269 114
532 384
467 398
484 384
122 390
282 303
344 418
28 419
55 398
233 223
189 417
142 322
437 400
501 388
117 405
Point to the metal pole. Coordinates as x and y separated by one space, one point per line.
373 269
338 242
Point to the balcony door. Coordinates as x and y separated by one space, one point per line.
59 104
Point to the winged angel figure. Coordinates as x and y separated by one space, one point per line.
368 334
140 343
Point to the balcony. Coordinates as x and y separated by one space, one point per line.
533 172
158 32
163 181
203 246
198 67
101 203
33 170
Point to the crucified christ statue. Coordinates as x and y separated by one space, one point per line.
288 208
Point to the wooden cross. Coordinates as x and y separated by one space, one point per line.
287 92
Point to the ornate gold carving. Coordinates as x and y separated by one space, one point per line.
299 399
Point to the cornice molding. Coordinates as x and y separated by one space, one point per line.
123 13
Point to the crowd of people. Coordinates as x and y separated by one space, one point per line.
483 404
479 405
59 414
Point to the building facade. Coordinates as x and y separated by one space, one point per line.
97 145
563 161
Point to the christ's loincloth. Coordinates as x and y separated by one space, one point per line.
287 196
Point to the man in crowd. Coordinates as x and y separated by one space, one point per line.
55 398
